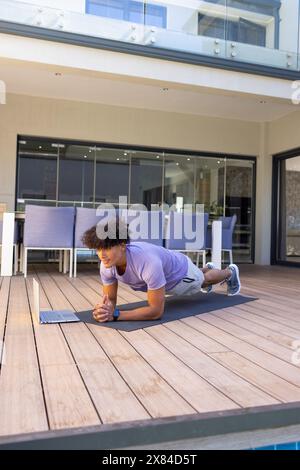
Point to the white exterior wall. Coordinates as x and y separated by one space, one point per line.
263 199
284 133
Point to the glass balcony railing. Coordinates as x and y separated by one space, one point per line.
264 32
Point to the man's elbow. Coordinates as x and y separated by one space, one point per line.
157 314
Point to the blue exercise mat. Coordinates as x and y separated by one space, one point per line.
176 308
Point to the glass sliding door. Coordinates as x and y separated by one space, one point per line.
146 178
37 173
66 173
76 175
112 175
288 211
209 185
239 200
179 180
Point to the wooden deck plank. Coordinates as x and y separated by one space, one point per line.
149 387
112 396
286 371
235 388
286 287
104 384
96 286
218 319
233 315
22 407
227 359
245 368
67 400
206 344
282 300
156 395
198 392
262 378
4 298
271 312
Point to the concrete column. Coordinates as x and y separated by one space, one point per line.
263 200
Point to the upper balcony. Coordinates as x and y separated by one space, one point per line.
260 36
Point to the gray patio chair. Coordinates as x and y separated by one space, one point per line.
148 226
177 219
228 224
48 228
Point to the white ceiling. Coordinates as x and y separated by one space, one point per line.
34 81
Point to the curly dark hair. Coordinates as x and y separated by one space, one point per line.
94 240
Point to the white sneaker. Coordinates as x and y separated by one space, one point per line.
233 283
207 290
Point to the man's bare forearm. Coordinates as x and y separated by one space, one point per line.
142 313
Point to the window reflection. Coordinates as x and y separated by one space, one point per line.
209 188
289 223
76 173
112 175
179 180
239 201
37 170
67 174
146 179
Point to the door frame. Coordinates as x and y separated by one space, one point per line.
277 159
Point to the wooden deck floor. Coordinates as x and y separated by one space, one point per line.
69 376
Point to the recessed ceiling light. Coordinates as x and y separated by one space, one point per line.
188 159
219 162
125 153
157 156
177 164
85 156
118 159
40 147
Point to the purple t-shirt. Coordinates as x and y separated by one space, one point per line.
148 267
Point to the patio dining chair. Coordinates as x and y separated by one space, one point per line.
16 245
48 229
228 224
145 226
174 242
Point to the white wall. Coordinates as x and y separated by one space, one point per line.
263 199
284 133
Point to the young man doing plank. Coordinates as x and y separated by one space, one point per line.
152 269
